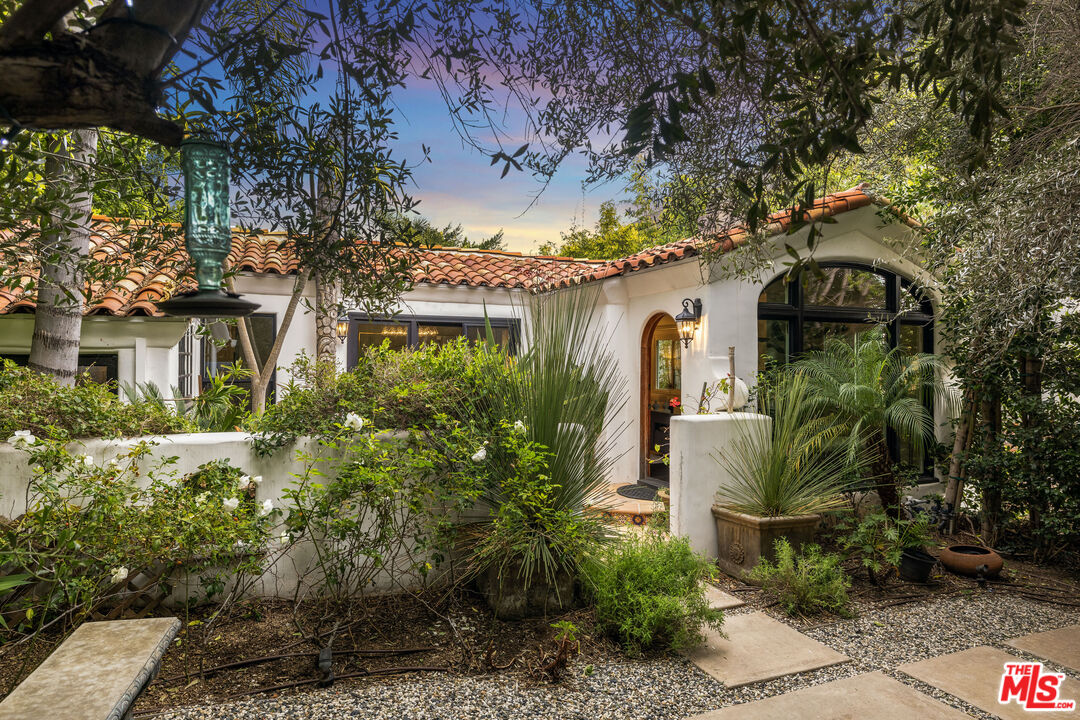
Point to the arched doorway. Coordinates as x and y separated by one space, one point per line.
661 380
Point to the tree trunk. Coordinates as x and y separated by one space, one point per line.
326 307
954 492
884 479
260 377
1032 383
54 348
991 422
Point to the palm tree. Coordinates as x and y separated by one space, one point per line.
870 389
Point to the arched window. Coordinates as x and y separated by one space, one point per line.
845 299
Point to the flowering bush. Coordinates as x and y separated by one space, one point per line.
391 388
389 507
89 530
32 402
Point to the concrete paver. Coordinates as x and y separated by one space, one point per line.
872 695
720 600
759 648
1061 646
974 675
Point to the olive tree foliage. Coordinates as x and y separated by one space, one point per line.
742 106
305 106
999 242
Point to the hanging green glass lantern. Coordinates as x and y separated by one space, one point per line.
207 232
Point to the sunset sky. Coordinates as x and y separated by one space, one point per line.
461 186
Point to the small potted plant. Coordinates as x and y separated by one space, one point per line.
884 543
781 476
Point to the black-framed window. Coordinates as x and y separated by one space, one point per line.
847 298
221 348
415 330
101 368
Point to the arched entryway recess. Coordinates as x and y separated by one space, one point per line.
660 393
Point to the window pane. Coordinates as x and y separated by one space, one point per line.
775 292
478 334
374 333
911 339
774 341
225 348
439 333
844 287
815 332
668 364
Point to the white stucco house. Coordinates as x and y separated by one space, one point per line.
126 338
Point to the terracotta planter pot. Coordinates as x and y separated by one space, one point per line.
743 539
966 560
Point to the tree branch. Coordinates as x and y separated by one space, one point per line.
32 20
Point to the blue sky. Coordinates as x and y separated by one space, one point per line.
460 185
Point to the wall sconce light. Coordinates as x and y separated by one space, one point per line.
342 328
687 320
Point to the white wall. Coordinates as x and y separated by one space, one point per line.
729 313
278 471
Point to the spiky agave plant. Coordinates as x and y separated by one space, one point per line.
565 389
791 465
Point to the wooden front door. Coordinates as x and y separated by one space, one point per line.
661 379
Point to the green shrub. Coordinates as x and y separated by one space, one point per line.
88 529
879 540
804 583
35 402
389 388
649 592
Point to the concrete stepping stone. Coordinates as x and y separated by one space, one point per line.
1061 646
872 695
974 676
759 648
720 600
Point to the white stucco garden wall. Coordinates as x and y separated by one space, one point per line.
696 474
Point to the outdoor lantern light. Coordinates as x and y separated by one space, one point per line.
207 234
342 328
687 320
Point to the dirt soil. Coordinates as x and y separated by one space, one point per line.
453 632
401 634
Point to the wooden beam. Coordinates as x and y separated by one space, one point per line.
70 84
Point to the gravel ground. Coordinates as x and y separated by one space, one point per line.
670 688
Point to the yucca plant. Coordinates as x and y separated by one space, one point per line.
868 389
790 466
563 392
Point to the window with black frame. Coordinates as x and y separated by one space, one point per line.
221 348
415 330
843 300
100 368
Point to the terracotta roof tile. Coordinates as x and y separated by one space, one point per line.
136 292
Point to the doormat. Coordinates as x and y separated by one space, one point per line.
637 492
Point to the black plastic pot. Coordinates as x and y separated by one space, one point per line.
915 565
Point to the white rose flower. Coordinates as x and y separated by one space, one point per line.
22 437
201 498
257 479
266 507
285 538
231 503
481 454
119 575
519 427
87 460
245 482
354 422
